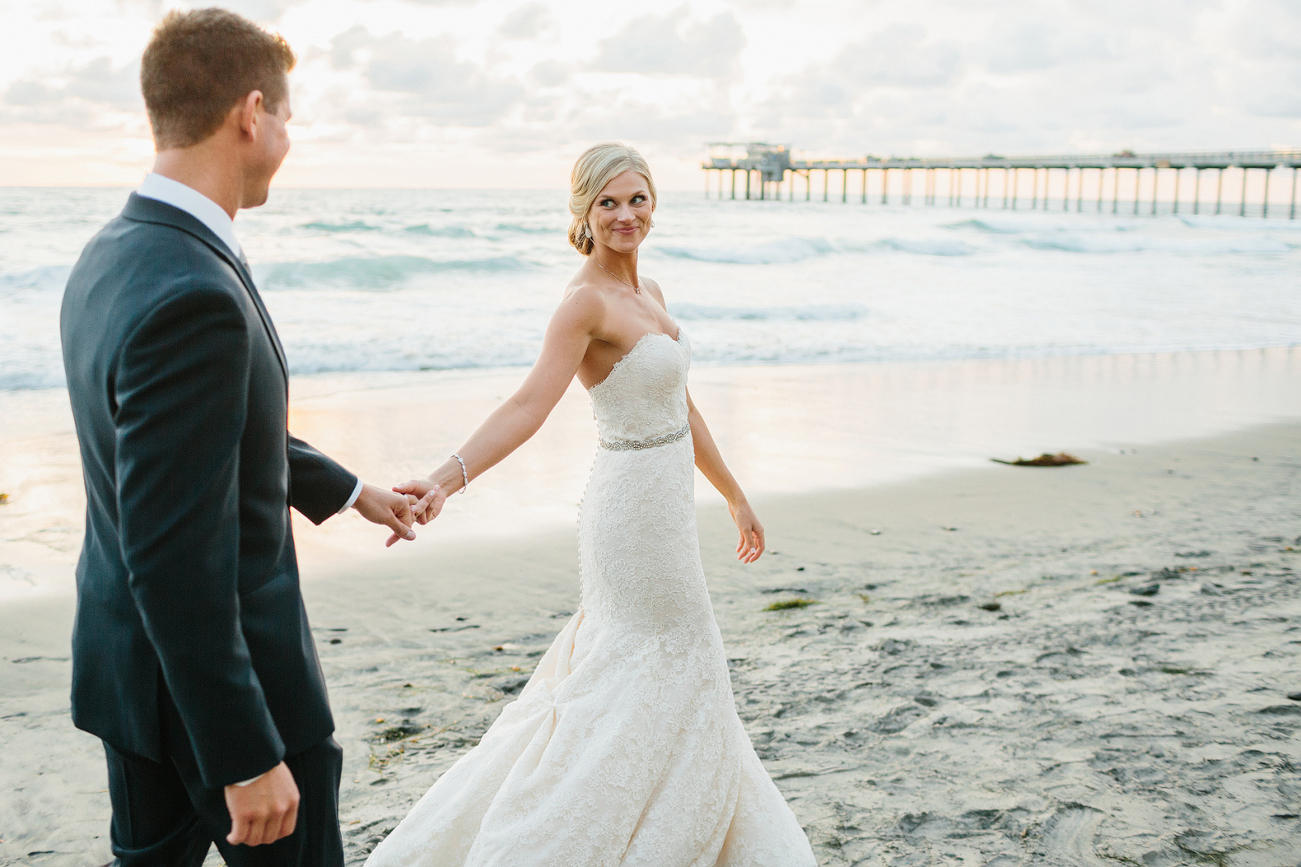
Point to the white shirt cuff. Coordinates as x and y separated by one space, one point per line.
252 781
356 492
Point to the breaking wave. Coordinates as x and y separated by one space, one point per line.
378 272
809 313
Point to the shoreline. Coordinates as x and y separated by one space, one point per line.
1088 718
784 429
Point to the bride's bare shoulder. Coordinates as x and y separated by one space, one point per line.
583 301
654 289
583 290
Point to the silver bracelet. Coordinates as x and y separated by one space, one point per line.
465 476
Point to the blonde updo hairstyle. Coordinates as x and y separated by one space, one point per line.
599 165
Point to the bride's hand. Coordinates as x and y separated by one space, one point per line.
425 497
396 512
751 545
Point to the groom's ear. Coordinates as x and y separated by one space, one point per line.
247 114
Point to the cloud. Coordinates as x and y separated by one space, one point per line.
527 22
1054 79
1261 68
77 95
550 73
677 127
673 45
765 5
1035 45
344 45
420 78
901 55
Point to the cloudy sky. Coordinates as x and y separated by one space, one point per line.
505 93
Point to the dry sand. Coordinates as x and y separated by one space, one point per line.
1124 701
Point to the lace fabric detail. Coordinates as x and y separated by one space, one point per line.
624 748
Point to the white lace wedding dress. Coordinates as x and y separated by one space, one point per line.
624 748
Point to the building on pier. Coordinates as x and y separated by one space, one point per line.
1136 181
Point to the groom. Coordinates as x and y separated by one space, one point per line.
192 657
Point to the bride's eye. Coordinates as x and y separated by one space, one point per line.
607 203
637 200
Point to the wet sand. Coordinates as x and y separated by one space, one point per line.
1001 665
783 430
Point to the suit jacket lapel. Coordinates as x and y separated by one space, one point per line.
153 211
246 275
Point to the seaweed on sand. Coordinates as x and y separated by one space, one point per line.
1061 459
787 604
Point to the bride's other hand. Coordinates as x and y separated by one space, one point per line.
425 497
751 546
710 463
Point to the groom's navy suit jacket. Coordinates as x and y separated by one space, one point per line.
187 586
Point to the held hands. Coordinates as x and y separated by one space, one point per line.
751 546
263 811
425 497
395 511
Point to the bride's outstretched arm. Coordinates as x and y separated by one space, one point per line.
570 331
710 463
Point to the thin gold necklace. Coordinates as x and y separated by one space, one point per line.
636 289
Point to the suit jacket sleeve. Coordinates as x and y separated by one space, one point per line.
181 392
318 486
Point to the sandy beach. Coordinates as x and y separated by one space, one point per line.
993 313
998 665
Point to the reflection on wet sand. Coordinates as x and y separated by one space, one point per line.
783 429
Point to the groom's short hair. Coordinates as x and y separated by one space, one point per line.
199 64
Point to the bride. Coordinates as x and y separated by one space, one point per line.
624 748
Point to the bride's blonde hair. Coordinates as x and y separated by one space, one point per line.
599 165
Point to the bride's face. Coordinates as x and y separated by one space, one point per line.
621 215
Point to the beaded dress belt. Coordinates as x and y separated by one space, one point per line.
654 442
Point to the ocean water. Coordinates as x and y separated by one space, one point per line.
387 280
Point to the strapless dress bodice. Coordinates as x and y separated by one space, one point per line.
644 399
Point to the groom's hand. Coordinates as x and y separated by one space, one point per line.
263 811
425 497
391 509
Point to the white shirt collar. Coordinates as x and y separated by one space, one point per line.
194 203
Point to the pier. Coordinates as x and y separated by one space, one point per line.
1123 182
